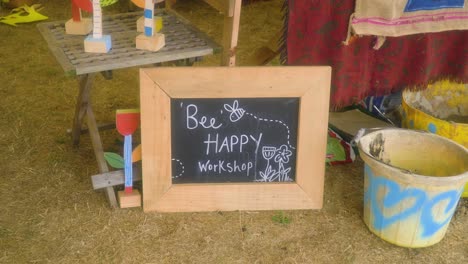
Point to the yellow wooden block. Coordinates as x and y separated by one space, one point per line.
153 43
83 27
158 24
127 200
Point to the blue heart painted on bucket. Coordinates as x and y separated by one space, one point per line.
427 220
394 196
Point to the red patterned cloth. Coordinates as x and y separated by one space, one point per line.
315 31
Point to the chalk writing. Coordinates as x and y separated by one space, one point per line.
192 122
230 143
233 140
221 166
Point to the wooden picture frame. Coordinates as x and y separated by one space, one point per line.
158 85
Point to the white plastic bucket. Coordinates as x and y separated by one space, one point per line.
413 182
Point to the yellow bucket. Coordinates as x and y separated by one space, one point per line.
413 182
441 108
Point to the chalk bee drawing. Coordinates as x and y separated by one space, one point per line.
236 112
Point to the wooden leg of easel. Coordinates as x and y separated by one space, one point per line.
99 152
85 83
231 33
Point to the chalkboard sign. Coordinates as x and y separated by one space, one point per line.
234 140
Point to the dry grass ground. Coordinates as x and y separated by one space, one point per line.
50 214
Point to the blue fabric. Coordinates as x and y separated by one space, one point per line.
416 5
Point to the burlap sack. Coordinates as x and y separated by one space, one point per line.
405 17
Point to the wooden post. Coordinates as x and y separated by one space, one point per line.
231 33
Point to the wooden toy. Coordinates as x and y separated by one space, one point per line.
158 24
23 14
150 40
78 25
97 42
127 122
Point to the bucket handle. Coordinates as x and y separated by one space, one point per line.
364 131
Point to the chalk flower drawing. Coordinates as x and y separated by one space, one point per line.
268 153
280 156
283 154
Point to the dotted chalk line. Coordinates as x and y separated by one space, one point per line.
183 169
276 121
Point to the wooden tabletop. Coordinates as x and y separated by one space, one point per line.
182 42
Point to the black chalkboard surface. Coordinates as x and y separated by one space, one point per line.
234 140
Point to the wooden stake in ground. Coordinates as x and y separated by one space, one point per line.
127 122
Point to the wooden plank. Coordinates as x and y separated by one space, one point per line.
350 122
263 82
312 137
231 35
231 197
154 104
113 178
